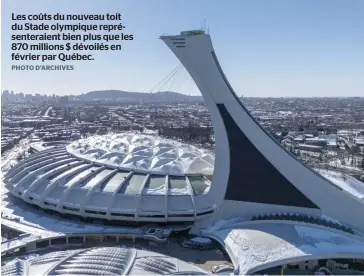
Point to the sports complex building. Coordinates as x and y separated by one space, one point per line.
123 179
265 207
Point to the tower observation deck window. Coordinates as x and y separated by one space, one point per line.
193 32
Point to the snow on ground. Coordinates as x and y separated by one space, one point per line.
256 245
47 112
18 241
346 182
337 164
10 157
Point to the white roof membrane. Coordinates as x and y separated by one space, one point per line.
144 153
258 246
93 179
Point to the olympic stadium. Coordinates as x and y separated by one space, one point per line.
263 206
122 177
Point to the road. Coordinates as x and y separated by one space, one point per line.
47 112
122 118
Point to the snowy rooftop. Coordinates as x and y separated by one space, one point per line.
83 179
98 261
144 153
19 215
258 246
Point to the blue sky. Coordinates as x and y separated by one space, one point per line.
266 48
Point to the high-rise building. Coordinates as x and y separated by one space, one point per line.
63 100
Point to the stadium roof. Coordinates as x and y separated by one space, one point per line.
98 261
123 177
144 153
254 246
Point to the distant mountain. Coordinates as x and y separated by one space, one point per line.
125 96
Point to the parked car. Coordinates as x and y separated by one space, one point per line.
219 269
196 243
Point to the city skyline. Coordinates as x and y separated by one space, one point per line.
242 96
280 49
